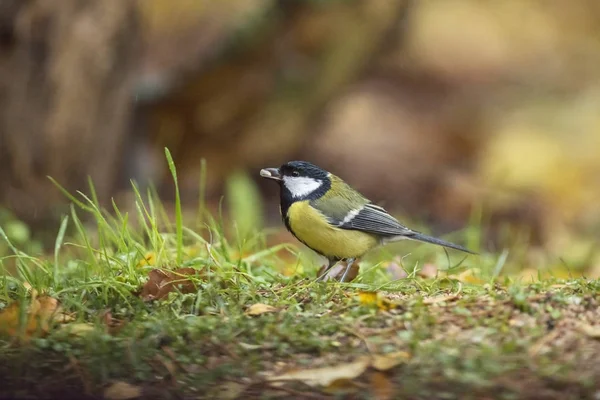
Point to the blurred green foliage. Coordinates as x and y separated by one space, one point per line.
245 204
18 233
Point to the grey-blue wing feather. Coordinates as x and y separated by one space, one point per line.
376 220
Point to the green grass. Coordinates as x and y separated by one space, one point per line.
502 337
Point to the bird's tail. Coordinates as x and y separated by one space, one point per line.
430 239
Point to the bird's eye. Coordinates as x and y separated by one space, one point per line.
295 173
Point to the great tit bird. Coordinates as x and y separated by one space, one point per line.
333 219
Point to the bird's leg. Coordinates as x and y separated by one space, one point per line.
349 262
332 262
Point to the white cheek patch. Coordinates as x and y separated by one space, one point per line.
300 186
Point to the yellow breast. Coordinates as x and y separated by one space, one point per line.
312 228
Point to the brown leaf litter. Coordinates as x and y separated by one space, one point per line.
162 282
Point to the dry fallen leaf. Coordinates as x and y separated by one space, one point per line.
259 308
9 319
113 325
469 276
368 298
32 292
337 271
590 331
376 299
441 298
326 376
149 259
342 386
339 378
48 308
39 318
381 386
385 362
64 318
122 391
161 283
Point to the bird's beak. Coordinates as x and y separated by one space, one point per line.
271 173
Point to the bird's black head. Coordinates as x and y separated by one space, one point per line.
303 169
299 180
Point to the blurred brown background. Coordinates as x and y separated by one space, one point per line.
434 108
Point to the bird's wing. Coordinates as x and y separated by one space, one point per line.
373 219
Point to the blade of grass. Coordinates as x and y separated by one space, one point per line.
163 221
153 217
500 264
57 245
201 194
178 217
144 215
267 252
70 196
84 237
220 230
104 228
195 235
125 234
22 267
93 193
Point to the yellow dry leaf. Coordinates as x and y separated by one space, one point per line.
9 319
149 259
259 308
30 289
385 304
469 276
375 298
384 362
48 308
326 376
40 315
368 298
340 378
64 318
122 391
341 386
